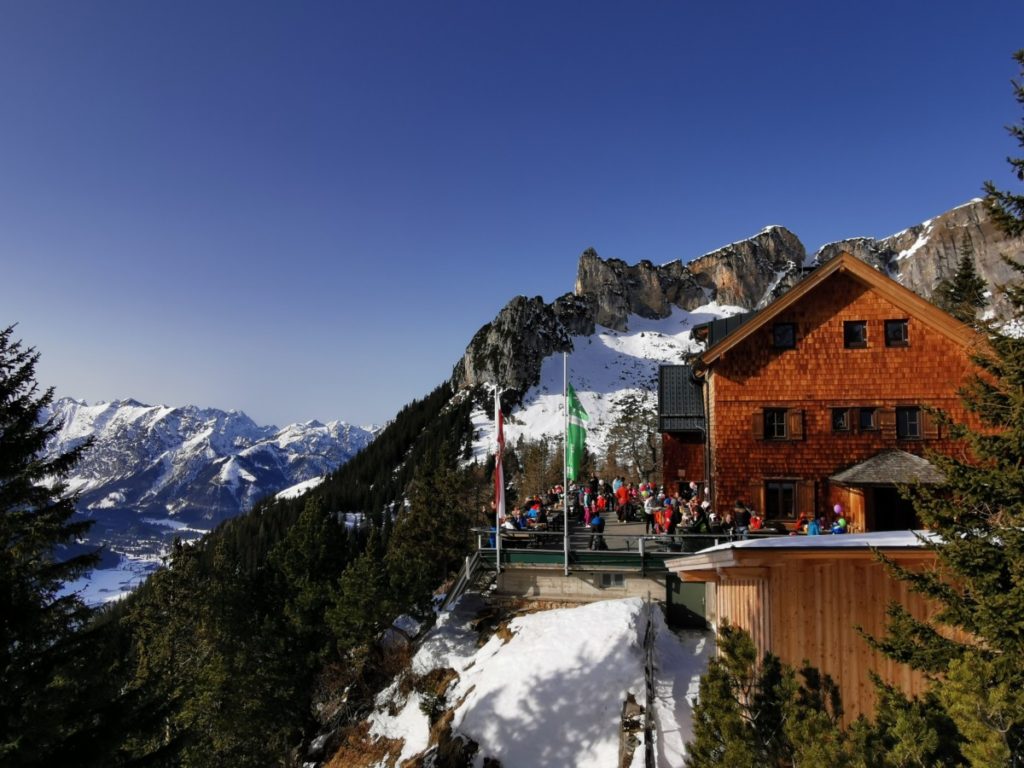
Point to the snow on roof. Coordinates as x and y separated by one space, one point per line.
552 694
882 539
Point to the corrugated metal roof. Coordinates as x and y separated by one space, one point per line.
680 400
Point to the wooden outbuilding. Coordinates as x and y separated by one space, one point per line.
823 397
803 597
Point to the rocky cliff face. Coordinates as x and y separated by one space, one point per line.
510 349
921 256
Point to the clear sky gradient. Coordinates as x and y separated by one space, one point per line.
306 210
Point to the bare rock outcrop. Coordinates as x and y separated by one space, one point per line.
619 290
752 272
921 256
510 349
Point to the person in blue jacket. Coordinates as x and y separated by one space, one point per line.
597 531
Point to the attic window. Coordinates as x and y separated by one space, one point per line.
784 336
855 334
896 333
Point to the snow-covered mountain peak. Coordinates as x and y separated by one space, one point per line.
155 470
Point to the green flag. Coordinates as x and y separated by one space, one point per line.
575 435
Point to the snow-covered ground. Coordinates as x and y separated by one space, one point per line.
603 369
552 695
298 489
104 585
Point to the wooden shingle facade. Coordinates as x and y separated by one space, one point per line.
819 398
807 598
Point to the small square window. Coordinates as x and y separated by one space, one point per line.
775 424
867 419
896 333
784 335
855 334
609 580
840 419
908 423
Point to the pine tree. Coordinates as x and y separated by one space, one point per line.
963 294
41 645
975 644
1007 208
363 606
754 713
432 537
307 563
634 435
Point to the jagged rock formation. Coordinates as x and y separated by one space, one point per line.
753 272
510 349
748 274
921 256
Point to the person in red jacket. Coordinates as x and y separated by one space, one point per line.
621 502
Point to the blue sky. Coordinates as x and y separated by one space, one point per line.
306 210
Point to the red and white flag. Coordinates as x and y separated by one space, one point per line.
499 472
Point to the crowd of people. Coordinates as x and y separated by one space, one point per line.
688 511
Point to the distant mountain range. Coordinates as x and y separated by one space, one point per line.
156 472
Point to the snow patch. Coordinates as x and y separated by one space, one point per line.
603 368
922 240
299 488
552 694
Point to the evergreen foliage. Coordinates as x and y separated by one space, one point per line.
44 655
756 713
634 437
963 294
1007 208
975 644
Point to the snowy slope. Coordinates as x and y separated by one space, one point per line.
552 693
603 368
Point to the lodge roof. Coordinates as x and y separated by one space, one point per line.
851 266
741 555
891 467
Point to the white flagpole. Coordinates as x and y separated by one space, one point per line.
499 474
565 460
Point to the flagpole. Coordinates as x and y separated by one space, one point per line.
565 460
499 477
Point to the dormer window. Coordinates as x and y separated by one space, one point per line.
784 336
855 334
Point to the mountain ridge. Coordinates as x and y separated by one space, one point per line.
747 274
